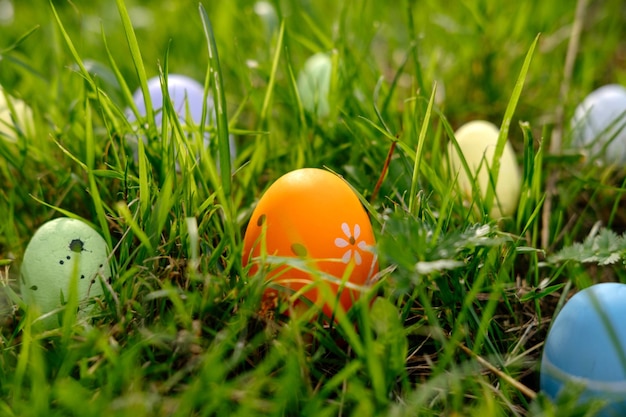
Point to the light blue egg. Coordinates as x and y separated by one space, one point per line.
599 124
187 99
586 345
183 91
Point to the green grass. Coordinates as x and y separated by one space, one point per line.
456 322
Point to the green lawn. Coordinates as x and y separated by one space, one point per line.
456 321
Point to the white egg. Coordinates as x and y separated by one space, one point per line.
477 141
314 84
60 251
599 124
21 118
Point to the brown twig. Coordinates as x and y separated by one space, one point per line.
384 171
518 385
557 133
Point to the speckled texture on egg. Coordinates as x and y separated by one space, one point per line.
478 140
57 250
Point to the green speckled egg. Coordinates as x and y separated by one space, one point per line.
61 249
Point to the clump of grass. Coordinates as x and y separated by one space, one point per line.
456 321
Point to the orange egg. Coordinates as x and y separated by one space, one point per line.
313 215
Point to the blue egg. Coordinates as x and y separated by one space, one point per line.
599 124
187 98
183 91
587 346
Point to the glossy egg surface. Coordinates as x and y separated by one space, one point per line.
599 123
586 345
184 92
477 141
313 215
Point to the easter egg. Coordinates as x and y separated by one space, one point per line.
599 124
586 345
15 116
313 216
60 251
187 99
185 93
477 141
314 84
267 14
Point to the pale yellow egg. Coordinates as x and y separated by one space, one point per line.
477 141
20 119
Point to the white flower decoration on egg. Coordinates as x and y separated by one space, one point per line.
351 243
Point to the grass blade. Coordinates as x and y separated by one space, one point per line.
420 147
70 45
94 190
220 103
135 53
19 41
144 181
506 122
126 93
272 80
125 213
